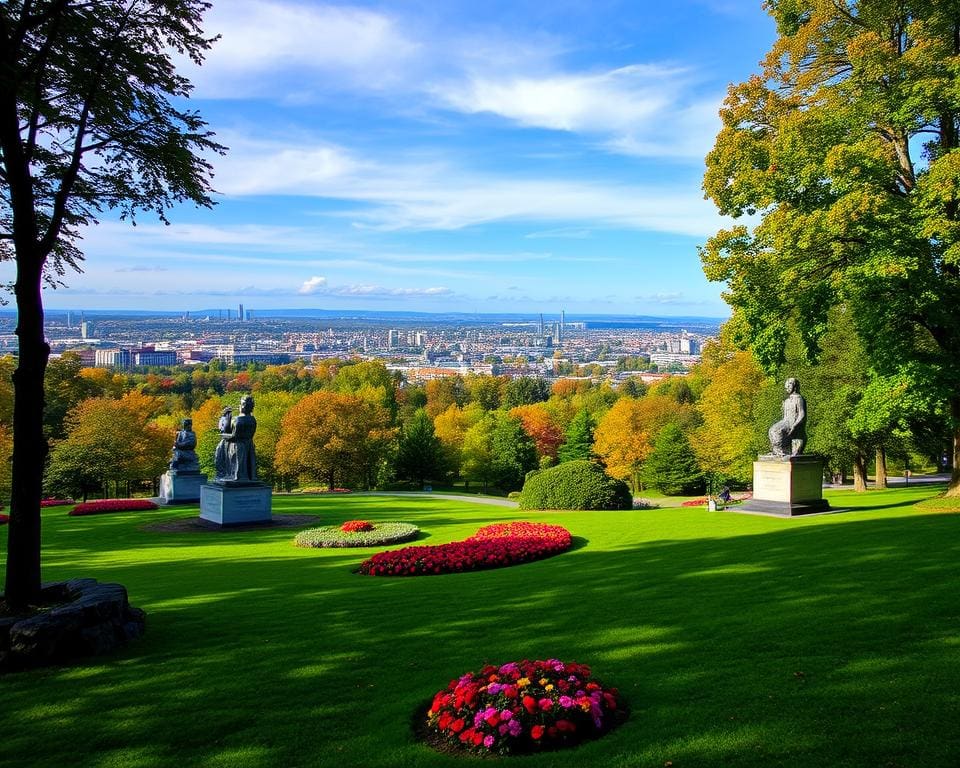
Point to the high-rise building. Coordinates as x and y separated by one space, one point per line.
393 339
240 314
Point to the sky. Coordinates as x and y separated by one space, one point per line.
442 156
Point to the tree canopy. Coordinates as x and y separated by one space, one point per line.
843 151
91 119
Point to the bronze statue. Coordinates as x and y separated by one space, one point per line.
788 437
184 449
235 459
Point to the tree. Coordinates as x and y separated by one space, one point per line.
89 119
540 425
328 435
821 146
476 461
623 440
513 452
672 466
525 390
451 428
579 438
726 443
420 452
442 393
110 441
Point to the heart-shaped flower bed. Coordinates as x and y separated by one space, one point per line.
493 546
522 707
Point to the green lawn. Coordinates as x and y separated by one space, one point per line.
739 640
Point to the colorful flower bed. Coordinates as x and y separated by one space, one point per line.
355 526
524 706
702 501
493 546
56 502
376 536
4 519
111 505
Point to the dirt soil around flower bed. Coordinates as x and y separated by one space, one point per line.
198 525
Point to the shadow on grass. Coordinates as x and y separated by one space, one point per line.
833 643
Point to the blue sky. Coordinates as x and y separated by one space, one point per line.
446 155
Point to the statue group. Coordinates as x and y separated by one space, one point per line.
235 460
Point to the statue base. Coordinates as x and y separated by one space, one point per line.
235 503
181 487
787 486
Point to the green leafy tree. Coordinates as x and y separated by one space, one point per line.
579 438
419 453
672 465
476 451
525 390
847 148
92 118
513 452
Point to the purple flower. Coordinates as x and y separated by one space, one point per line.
506 715
515 728
494 688
488 741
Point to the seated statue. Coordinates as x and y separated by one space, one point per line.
788 437
236 459
184 449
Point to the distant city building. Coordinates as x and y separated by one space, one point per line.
113 358
155 357
86 330
393 339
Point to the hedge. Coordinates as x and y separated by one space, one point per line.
579 484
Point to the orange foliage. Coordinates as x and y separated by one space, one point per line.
539 423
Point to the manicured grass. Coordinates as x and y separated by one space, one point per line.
739 640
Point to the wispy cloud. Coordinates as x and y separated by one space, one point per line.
313 285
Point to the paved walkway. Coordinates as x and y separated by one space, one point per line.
452 496
897 480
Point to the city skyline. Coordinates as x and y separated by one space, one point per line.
509 158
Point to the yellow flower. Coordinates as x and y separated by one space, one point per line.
523 682
543 681
549 688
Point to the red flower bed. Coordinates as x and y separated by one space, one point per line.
524 706
56 502
702 501
356 526
4 519
493 546
111 505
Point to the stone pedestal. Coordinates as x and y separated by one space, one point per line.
235 503
787 486
181 487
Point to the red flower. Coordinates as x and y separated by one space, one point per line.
529 704
565 726
111 505
457 725
536 733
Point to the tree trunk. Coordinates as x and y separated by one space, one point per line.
881 468
29 443
330 480
954 487
859 472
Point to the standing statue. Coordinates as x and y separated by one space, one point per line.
788 437
236 459
184 449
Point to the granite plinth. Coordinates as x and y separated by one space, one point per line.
181 487
787 486
236 503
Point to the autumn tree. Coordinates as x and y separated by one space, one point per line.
846 147
91 117
451 428
442 393
541 426
110 441
327 435
623 440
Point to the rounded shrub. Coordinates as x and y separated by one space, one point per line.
579 484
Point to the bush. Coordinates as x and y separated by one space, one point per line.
523 707
578 484
111 505
493 546
56 502
348 535
513 495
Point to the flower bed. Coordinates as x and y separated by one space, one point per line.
702 501
56 502
111 505
378 535
493 546
521 707
4 519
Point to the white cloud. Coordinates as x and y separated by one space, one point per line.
313 285
264 41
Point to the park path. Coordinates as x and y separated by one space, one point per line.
451 496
